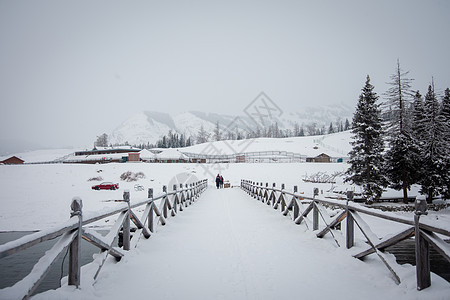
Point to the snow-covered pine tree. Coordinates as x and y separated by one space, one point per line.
347 125
401 166
445 115
366 157
202 135
217 133
331 128
434 149
445 121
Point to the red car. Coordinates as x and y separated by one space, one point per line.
106 186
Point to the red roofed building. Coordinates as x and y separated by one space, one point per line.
13 160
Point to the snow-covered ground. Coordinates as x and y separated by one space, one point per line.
243 263
228 245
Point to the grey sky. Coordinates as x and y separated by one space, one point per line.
71 70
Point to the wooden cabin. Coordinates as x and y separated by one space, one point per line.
13 160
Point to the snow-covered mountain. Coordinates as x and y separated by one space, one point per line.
148 126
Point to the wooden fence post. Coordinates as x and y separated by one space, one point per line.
75 246
175 201
296 208
315 210
164 212
150 212
350 236
126 222
422 247
283 196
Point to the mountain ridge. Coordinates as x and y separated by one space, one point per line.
149 126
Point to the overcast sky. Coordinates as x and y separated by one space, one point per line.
71 70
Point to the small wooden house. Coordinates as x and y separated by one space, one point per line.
319 158
133 156
13 160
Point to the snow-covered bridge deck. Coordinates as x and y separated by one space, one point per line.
230 246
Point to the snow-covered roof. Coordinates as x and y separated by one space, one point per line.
162 154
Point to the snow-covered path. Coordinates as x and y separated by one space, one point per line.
230 246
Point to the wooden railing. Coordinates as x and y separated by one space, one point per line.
72 231
293 202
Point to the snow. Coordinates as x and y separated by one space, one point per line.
334 145
228 245
225 246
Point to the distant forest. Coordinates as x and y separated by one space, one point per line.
176 140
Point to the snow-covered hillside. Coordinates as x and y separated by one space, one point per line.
148 127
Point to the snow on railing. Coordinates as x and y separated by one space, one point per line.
425 234
74 229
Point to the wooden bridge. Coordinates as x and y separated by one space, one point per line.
229 246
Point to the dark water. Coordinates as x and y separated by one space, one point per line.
16 266
404 252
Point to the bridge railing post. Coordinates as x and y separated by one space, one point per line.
315 210
422 247
350 235
175 201
150 212
165 202
126 224
75 247
296 207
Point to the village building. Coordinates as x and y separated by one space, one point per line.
163 155
319 158
13 160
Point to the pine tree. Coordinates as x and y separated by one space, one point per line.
403 152
217 135
434 149
397 100
347 125
445 115
301 132
102 141
331 128
366 159
202 135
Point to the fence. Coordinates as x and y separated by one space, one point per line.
250 157
425 234
72 231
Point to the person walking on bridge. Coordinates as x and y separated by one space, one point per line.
218 181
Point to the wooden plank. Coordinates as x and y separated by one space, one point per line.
25 287
365 228
304 214
37 237
296 208
140 225
371 238
111 237
96 239
439 245
339 218
386 242
158 213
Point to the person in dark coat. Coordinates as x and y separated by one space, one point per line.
218 181
221 181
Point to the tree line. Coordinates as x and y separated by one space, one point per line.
176 140
402 141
